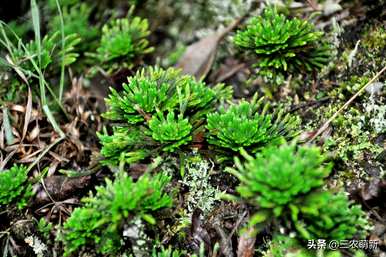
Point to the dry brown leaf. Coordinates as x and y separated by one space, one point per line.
33 134
60 188
16 68
28 113
198 57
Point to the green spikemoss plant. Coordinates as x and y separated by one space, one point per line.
123 41
14 187
24 57
329 216
278 176
283 46
177 131
285 183
157 111
249 126
76 21
100 223
167 252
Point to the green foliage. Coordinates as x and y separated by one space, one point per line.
329 216
101 221
51 51
158 110
63 3
26 57
44 228
14 186
278 176
375 38
76 21
283 45
167 252
122 41
126 145
170 130
249 126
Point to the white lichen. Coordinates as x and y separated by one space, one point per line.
201 193
39 248
376 113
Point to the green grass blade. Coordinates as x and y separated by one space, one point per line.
61 84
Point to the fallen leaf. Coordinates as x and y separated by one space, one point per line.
198 57
331 6
60 188
28 112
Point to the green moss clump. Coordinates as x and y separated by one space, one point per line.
76 21
329 216
167 252
101 221
285 183
249 126
14 186
170 130
375 39
278 176
122 41
158 111
50 55
283 46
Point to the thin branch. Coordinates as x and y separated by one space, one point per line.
327 123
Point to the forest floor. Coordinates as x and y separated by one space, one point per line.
64 168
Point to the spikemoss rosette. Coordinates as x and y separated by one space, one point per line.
50 54
278 176
329 216
249 126
100 223
14 186
123 40
283 45
170 129
157 111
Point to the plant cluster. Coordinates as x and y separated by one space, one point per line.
50 54
285 182
329 216
102 219
158 111
122 41
283 46
14 186
249 126
167 252
76 21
